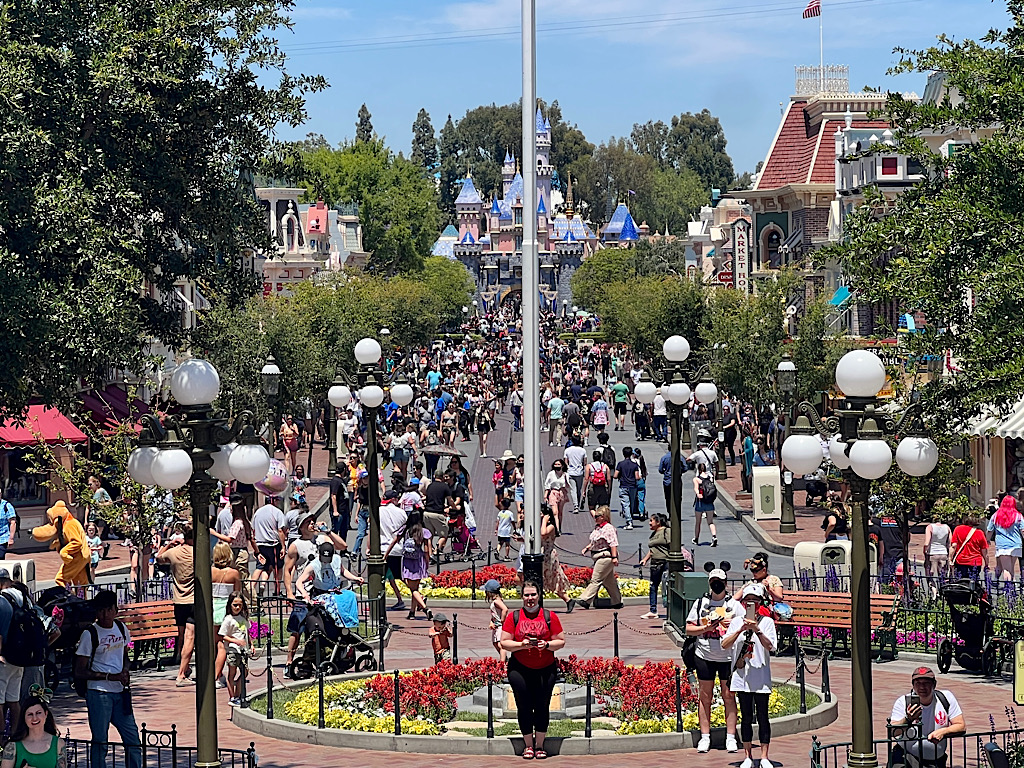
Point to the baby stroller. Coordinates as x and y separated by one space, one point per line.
341 649
973 624
464 543
71 614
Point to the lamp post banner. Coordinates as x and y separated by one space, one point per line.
741 254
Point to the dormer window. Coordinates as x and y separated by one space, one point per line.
890 166
519 216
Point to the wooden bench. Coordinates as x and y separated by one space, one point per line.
833 611
151 622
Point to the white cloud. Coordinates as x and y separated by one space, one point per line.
332 12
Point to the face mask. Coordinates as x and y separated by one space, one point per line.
717 586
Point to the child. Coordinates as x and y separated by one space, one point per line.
96 546
492 590
235 631
439 637
504 527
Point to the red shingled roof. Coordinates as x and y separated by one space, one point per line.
794 150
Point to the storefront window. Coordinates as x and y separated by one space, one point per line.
23 488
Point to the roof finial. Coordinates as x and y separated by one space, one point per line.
569 212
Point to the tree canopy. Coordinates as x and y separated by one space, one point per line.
364 128
129 154
424 143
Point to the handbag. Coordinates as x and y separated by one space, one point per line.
689 651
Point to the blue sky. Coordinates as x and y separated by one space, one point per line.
609 63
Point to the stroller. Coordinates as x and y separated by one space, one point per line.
341 649
970 611
71 614
464 543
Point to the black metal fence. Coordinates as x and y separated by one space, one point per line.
962 751
159 749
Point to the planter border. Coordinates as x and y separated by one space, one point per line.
249 720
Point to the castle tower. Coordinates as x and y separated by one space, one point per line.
468 208
508 172
544 169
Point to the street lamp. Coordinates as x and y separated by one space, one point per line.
196 449
475 309
858 447
785 377
339 396
271 376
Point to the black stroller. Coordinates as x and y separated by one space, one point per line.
73 615
970 611
341 649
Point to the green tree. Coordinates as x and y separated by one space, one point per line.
364 128
948 246
697 141
816 350
449 149
129 156
644 311
671 200
424 143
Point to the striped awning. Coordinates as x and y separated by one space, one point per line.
995 425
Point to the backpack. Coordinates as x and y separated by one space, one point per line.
689 651
81 684
409 548
708 490
547 619
599 475
26 643
608 456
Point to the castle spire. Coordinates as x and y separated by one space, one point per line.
569 212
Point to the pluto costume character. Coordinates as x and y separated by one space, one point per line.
68 538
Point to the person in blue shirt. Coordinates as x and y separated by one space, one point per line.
666 476
8 525
433 378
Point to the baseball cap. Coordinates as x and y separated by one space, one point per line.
391 494
236 499
717 573
922 673
414 481
753 590
441 618
492 585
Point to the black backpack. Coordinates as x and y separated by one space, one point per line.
608 456
708 490
25 643
81 684
547 618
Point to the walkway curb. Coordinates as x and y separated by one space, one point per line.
249 720
759 533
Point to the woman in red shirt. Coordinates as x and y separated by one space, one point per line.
532 635
970 548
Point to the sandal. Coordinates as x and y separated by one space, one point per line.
540 754
528 753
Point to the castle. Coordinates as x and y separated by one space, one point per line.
489 237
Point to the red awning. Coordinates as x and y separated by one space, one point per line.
110 406
49 423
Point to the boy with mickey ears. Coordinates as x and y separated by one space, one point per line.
707 622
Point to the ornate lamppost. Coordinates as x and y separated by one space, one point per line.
197 448
676 392
785 377
858 447
369 381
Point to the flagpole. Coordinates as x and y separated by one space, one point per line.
821 55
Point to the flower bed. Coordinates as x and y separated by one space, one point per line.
457 585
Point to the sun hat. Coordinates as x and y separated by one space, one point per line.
440 617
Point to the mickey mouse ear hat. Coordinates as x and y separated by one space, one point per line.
721 571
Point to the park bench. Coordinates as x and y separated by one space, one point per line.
149 623
833 611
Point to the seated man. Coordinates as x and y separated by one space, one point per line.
931 716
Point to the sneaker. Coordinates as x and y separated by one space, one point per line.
235 702
220 683
397 607
714 542
748 763
730 743
766 763
704 744
583 604
287 671
570 605
695 542
649 615
628 527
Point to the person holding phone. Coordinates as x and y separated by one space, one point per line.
931 716
532 635
752 637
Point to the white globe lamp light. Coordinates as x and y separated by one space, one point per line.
679 393
837 452
402 394
172 468
645 392
371 396
367 351
802 454
140 464
706 392
195 382
676 349
860 374
220 469
917 456
249 463
870 459
339 395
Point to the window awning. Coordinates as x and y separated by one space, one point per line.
1010 425
841 296
797 238
48 423
108 407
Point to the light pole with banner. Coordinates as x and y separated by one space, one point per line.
197 448
785 378
858 447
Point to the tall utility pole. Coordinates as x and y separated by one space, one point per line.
533 561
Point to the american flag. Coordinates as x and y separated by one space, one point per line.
813 9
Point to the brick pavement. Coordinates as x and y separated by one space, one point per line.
159 704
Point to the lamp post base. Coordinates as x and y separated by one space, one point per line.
862 760
533 570
787 523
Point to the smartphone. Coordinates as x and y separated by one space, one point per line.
751 612
915 699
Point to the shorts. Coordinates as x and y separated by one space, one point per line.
393 568
184 613
32 676
1014 552
436 523
399 454
236 657
10 683
706 670
297 619
504 541
620 409
443 655
271 556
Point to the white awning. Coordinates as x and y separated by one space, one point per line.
191 307
994 425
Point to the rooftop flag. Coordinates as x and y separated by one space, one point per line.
813 9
